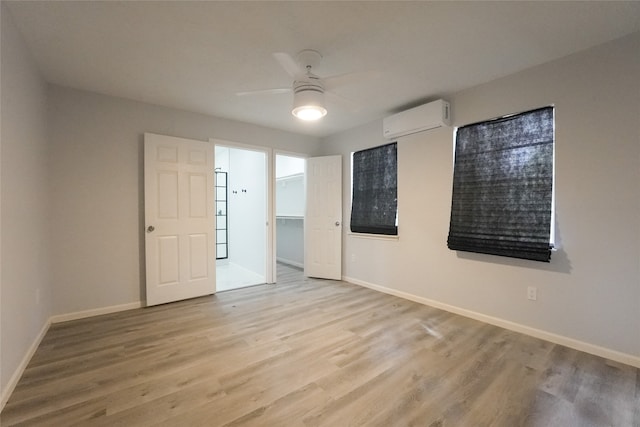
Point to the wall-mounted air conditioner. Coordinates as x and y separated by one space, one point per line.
428 116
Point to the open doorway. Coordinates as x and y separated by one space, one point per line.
241 215
289 208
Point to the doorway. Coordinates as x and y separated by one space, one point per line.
241 217
290 207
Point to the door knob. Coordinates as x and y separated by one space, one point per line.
150 228
337 223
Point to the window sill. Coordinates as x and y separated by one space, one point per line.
373 236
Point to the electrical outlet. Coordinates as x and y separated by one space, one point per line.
353 258
532 293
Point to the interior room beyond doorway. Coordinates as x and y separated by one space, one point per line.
290 207
241 215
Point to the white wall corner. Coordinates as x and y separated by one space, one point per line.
596 350
13 381
6 393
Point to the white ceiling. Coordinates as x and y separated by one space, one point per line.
196 55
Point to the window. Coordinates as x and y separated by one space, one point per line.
503 186
374 204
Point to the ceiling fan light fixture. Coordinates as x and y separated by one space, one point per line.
309 112
308 105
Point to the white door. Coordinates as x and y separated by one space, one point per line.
323 218
179 218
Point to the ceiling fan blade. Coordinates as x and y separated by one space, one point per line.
288 63
265 91
343 102
333 82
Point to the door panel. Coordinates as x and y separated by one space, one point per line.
168 256
167 194
323 218
179 219
198 195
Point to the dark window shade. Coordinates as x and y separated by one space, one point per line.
502 186
375 189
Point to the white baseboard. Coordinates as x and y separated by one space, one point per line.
597 350
290 262
6 393
13 381
94 312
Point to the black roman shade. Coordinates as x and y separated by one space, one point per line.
503 186
375 190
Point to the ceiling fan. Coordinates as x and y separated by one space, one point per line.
308 88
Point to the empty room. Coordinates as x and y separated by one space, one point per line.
320 213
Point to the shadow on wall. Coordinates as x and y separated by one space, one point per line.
559 263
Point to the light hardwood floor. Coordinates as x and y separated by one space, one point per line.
311 352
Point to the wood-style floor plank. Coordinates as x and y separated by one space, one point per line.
308 352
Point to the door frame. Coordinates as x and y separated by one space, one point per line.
270 263
271 272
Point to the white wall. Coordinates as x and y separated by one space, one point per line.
97 188
290 241
590 292
247 210
290 199
288 165
26 302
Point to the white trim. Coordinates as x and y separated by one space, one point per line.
290 177
6 393
17 374
270 255
290 262
94 312
597 350
240 145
